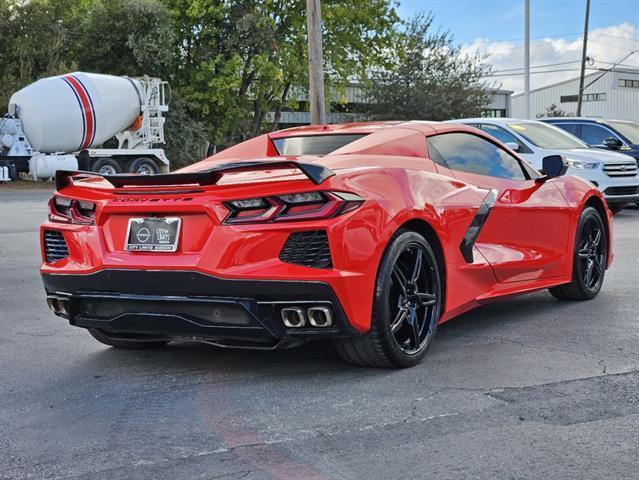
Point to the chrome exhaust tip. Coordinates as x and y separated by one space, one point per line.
293 317
53 304
320 316
63 308
59 306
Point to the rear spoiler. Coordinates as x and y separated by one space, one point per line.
315 173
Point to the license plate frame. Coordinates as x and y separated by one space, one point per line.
153 234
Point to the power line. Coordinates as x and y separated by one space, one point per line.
516 70
516 74
535 66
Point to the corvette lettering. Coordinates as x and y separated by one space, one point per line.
151 199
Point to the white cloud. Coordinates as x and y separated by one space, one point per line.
608 44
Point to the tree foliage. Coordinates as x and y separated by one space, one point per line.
431 78
553 111
122 37
33 43
233 65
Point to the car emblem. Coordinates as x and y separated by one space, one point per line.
143 235
624 167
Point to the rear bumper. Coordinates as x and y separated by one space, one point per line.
184 304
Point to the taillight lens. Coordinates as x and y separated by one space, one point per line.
294 206
67 210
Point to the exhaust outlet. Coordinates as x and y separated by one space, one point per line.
59 306
293 317
63 308
53 304
320 316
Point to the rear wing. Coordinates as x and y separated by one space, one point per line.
315 173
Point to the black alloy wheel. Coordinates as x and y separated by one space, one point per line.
413 298
406 307
590 259
592 254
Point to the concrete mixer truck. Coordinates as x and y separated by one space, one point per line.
58 123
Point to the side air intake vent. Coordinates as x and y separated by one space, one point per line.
307 248
55 248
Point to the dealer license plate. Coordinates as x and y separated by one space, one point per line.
158 234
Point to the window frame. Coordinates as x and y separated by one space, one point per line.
612 133
528 171
523 148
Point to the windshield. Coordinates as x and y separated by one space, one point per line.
545 136
313 144
630 130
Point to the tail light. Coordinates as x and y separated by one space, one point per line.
67 210
295 206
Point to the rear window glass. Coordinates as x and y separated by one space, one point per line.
313 144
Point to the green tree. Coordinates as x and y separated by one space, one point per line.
33 43
186 139
430 78
239 60
552 111
123 37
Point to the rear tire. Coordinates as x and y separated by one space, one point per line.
589 259
407 305
106 166
143 166
127 342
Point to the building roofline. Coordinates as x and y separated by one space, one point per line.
597 72
556 84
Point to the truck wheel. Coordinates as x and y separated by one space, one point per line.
143 166
106 166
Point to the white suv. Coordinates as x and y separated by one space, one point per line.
615 174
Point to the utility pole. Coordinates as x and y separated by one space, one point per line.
583 60
527 57
315 62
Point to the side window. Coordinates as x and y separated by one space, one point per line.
568 127
594 134
435 156
473 154
499 133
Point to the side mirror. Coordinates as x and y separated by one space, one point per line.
553 166
613 143
514 146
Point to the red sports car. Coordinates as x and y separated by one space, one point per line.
367 234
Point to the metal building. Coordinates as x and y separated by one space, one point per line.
500 104
344 103
608 94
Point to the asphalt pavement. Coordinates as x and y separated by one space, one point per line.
528 388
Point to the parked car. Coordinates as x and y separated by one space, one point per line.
614 173
619 135
367 234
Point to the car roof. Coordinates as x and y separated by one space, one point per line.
583 119
363 128
493 120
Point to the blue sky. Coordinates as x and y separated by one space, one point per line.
499 20
495 27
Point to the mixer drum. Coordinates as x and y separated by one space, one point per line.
76 111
